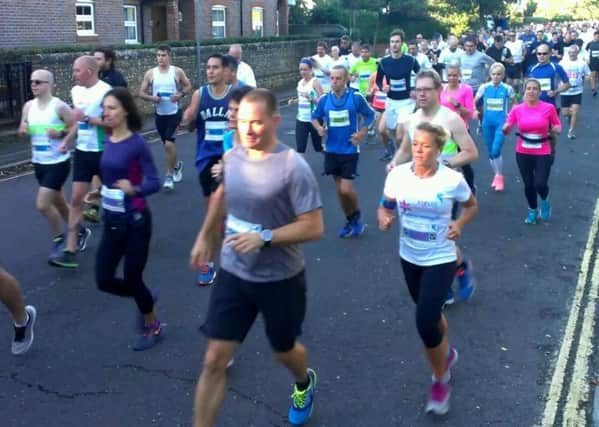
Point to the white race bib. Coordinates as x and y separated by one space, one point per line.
338 118
545 84
595 54
398 85
86 136
531 145
466 73
214 131
418 230
41 144
235 225
495 104
113 199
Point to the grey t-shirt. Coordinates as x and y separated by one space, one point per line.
474 68
266 194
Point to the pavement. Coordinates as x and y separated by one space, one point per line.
525 339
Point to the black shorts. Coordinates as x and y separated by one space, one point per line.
594 65
86 164
52 176
235 304
166 126
341 165
514 71
209 183
567 101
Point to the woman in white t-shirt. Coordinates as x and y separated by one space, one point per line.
424 191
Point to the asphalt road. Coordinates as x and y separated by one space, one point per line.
360 328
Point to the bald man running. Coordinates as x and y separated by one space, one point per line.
245 74
87 101
48 120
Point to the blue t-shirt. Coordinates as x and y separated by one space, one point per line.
398 73
228 140
547 75
211 123
496 101
341 117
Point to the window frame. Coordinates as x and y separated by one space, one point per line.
261 9
83 18
131 24
218 24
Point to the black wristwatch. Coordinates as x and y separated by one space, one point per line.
266 236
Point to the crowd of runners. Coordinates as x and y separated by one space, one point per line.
422 100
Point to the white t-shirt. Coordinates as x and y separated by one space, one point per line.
324 63
245 74
424 206
516 47
576 71
89 100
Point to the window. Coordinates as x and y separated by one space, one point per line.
130 24
219 22
84 17
257 21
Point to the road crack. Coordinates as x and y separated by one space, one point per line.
62 395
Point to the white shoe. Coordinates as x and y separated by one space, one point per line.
24 335
178 172
168 183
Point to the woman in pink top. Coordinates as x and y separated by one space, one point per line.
457 96
538 129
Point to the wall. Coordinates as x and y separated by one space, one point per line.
274 63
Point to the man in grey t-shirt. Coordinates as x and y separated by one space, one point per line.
272 204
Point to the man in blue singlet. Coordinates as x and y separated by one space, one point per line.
210 108
548 73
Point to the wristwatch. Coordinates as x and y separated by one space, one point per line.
266 236
86 119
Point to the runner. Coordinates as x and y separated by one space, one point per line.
500 52
230 68
354 57
497 97
450 55
165 85
107 72
87 98
547 73
23 315
378 100
308 93
577 71
209 108
262 269
341 110
514 70
593 48
458 151
48 120
425 191
360 74
396 71
322 66
538 129
336 59
457 96
245 74
129 176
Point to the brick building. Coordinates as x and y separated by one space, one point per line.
27 23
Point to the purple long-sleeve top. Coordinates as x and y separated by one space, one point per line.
130 159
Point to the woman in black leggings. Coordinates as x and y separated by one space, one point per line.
425 190
129 175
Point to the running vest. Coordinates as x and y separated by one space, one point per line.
305 106
89 100
496 101
164 85
211 123
450 148
44 150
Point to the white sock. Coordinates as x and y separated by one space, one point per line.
499 165
24 324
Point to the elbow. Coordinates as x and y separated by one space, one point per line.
318 231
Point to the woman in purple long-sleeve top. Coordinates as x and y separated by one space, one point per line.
129 175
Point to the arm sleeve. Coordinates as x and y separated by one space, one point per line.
481 90
462 191
511 117
415 66
468 103
562 74
554 118
390 188
318 113
380 74
304 192
364 109
151 182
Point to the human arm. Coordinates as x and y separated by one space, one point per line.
380 75
192 109
363 109
565 82
317 115
318 89
145 87
468 151
404 153
65 114
184 85
23 125
469 210
209 235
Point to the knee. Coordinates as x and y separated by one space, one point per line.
428 329
215 361
42 205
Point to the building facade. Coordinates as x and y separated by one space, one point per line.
37 23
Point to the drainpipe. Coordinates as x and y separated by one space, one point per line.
241 18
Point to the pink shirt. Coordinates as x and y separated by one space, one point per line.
464 95
533 122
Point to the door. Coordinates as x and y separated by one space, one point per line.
158 23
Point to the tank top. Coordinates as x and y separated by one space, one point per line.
211 123
44 150
450 148
164 85
305 93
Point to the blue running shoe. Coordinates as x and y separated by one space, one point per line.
358 228
151 336
465 281
347 230
449 300
545 213
302 402
532 217
206 275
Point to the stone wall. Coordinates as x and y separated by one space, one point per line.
274 63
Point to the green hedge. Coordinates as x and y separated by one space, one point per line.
173 43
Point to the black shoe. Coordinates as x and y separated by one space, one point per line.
65 260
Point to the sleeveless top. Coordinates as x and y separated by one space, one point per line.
305 93
164 85
450 148
44 150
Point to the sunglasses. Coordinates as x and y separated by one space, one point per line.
542 53
38 82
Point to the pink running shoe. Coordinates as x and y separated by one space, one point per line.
438 402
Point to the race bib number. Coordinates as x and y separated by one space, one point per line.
40 144
85 136
338 118
495 104
529 141
113 199
545 84
165 96
364 76
235 225
398 85
466 73
419 230
595 54
214 131
573 78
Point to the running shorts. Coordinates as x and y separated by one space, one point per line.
166 126
341 165
52 176
86 164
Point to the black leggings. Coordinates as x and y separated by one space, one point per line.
127 237
302 130
428 287
535 171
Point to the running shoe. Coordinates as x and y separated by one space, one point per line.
57 246
449 299
178 172
532 217
386 157
347 230
141 321
466 284
206 275
92 214
371 131
151 336
594 92
168 183
499 185
358 228
452 359
571 134
82 238
494 182
438 402
545 211
65 260
24 334
302 402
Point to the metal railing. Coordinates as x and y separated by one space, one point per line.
14 89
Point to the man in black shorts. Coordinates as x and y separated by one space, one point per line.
593 48
262 268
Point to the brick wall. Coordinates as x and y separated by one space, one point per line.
274 63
